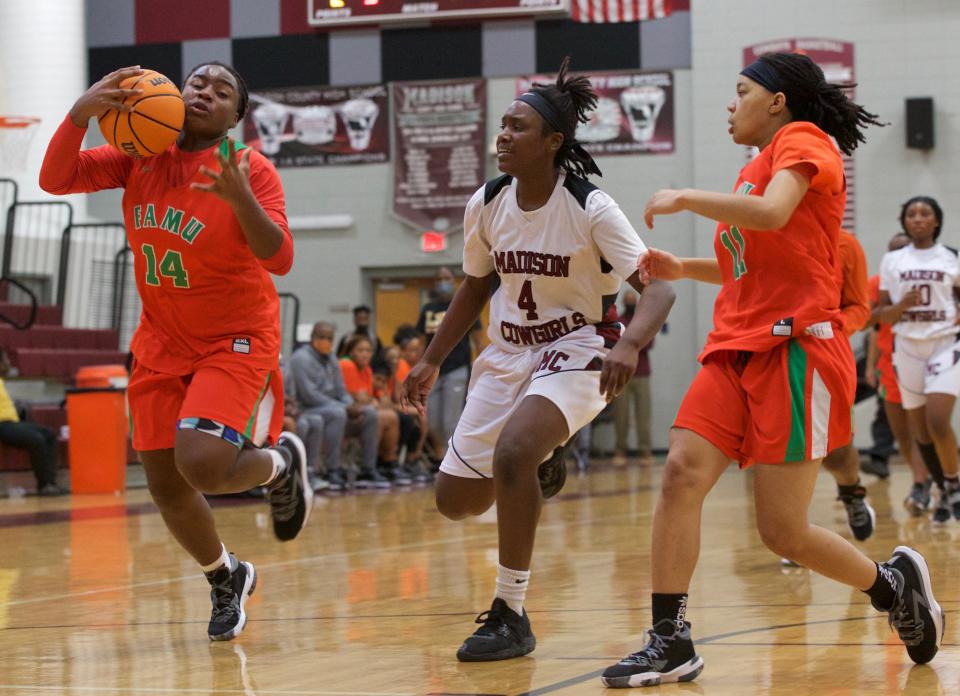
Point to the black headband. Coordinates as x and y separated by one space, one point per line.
548 112
764 74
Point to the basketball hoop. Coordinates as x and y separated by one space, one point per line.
16 134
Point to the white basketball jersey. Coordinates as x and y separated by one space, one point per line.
560 266
934 272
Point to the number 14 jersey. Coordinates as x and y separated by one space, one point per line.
560 267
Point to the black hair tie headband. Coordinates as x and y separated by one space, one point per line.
764 74
551 117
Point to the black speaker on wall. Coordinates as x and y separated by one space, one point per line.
920 123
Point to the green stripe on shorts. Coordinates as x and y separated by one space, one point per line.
796 374
248 431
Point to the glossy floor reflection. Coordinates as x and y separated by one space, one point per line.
377 594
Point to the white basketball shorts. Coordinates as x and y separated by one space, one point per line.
567 372
924 367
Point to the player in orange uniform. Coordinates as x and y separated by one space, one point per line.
844 461
207 227
777 382
882 377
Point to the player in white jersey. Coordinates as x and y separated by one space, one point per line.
918 295
555 250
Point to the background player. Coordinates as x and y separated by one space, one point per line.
918 296
559 248
205 388
777 382
880 375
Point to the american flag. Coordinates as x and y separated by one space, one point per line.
611 11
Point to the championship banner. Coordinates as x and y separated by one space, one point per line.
317 126
634 113
835 58
439 129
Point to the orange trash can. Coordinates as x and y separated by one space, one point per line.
102 376
97 421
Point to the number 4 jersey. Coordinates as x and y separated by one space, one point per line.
777 283
560 266
205 295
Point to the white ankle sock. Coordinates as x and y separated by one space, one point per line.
279 466
224 560
512 587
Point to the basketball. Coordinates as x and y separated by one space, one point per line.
155 121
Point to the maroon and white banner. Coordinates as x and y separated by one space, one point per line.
612 11
439 129
634 113
316 126
835 58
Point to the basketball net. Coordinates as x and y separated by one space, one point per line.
16 134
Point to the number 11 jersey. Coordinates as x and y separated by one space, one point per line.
560 267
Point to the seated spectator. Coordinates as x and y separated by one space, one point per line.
413 425
39 441
361 327
308 426
321 395
358 379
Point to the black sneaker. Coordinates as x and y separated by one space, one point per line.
915 615
503 634
668 657
553 472
337 480
941 511
290 495
918 501
416 471
228 594
876 466
860 516
396 475
371 479
953 500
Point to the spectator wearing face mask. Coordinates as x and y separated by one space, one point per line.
445 403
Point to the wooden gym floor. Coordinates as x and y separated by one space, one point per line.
379 591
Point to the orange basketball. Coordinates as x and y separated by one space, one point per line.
155 121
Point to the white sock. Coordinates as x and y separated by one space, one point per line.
224 560
279 466
512 587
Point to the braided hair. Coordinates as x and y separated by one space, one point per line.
825 104
573 98
934 206
241 84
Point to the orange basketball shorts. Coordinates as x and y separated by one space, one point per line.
789 404
247 399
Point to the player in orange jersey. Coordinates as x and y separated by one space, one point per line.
207 226
844 461
777 382
882 377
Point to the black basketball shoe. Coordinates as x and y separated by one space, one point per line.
229 592
502 634
668 657
860 516
290 495
553 472
915 614
941 510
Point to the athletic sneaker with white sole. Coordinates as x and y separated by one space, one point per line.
290 495
915 614
668 657
229 592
